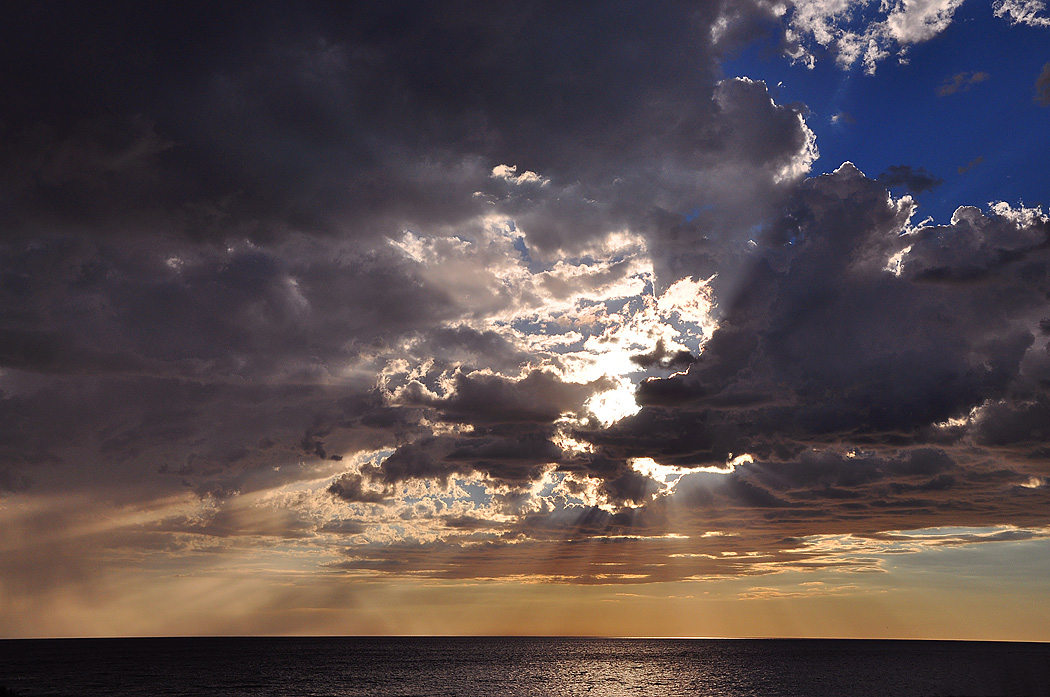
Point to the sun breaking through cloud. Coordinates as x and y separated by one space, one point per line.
347 305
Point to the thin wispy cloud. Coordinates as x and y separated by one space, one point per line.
1028 12
971 164
961 82
1042 86
915 180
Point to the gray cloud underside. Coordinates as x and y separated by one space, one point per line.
759 511
198 290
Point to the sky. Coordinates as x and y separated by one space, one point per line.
715 318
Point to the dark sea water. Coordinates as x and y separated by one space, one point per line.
519 666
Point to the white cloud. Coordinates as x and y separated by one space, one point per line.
914 21
851 31
1022 12
509 173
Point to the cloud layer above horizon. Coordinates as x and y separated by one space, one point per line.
419 290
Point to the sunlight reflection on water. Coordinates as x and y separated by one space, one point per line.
520 667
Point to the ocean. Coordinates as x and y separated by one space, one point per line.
525 667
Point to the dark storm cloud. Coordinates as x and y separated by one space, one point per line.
915 181
326 118
749 157
827 340
350 487
675 436
207 314
425 458
1021 423
617 481
726 152
490 400
830 491
961 82
817 469
471 348
187 360
663 358
198 291
514 461
510 440
1042 86
153 435
263 131
195 193
763 514
979 247
857 485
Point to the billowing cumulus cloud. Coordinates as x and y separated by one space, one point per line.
857 30
868 33
856 323
406 290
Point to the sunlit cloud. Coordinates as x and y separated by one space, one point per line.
304 326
